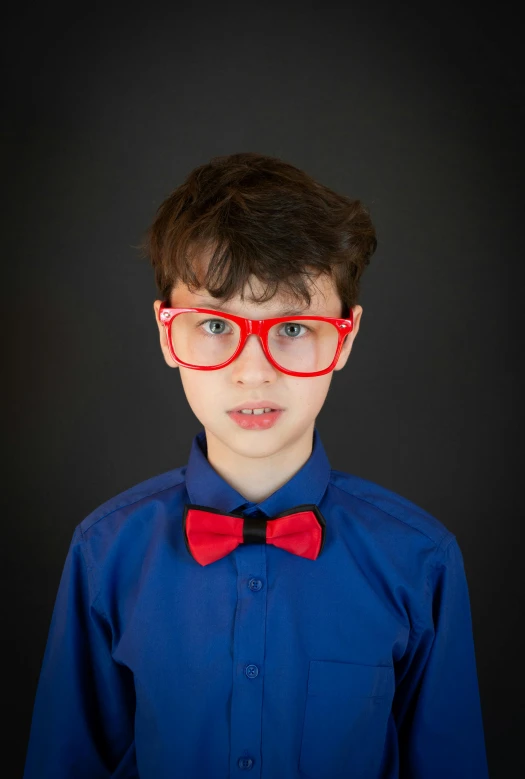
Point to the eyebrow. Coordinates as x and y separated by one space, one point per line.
288 312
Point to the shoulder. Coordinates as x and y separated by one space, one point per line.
387 511
134 499
115 539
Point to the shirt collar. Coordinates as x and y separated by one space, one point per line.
206 487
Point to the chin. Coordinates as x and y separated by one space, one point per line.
287 431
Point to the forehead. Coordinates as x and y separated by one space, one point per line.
324 299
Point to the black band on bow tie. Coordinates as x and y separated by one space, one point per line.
254 530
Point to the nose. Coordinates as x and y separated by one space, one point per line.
251 363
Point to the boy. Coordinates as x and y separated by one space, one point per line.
256 613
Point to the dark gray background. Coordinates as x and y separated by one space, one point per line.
419 112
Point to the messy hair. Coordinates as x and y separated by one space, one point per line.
256 214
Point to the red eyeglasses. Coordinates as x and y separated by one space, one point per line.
313 352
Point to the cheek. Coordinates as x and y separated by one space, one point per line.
198 388
311 394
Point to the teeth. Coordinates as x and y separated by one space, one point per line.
256 411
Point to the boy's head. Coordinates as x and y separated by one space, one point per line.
256 237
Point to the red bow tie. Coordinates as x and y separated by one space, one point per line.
210 535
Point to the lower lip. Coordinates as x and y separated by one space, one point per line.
255 422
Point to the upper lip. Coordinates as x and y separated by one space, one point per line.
258 404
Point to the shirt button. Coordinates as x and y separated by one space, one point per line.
251 671
255 585
245 763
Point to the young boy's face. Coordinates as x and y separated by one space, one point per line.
251 377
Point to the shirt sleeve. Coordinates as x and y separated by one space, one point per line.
437 703
82 724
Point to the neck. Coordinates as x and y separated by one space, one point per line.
256 477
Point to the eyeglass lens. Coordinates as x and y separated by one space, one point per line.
304 345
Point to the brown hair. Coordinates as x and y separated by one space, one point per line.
263 216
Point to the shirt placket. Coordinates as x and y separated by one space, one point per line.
249 640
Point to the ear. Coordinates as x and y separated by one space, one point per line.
163 336
349 339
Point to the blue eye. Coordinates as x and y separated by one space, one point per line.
219 322
295 325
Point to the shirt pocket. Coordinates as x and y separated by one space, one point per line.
346 717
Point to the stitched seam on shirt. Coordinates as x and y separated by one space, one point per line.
438 549
399 519
415 629
439 553
89 567
432 565
132 503
91 581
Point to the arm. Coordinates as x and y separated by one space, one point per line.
82 725
437 705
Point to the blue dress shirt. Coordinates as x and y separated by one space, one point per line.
265 664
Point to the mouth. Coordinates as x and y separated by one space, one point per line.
257 418
257 412
259 407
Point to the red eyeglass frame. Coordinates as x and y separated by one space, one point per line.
258 327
